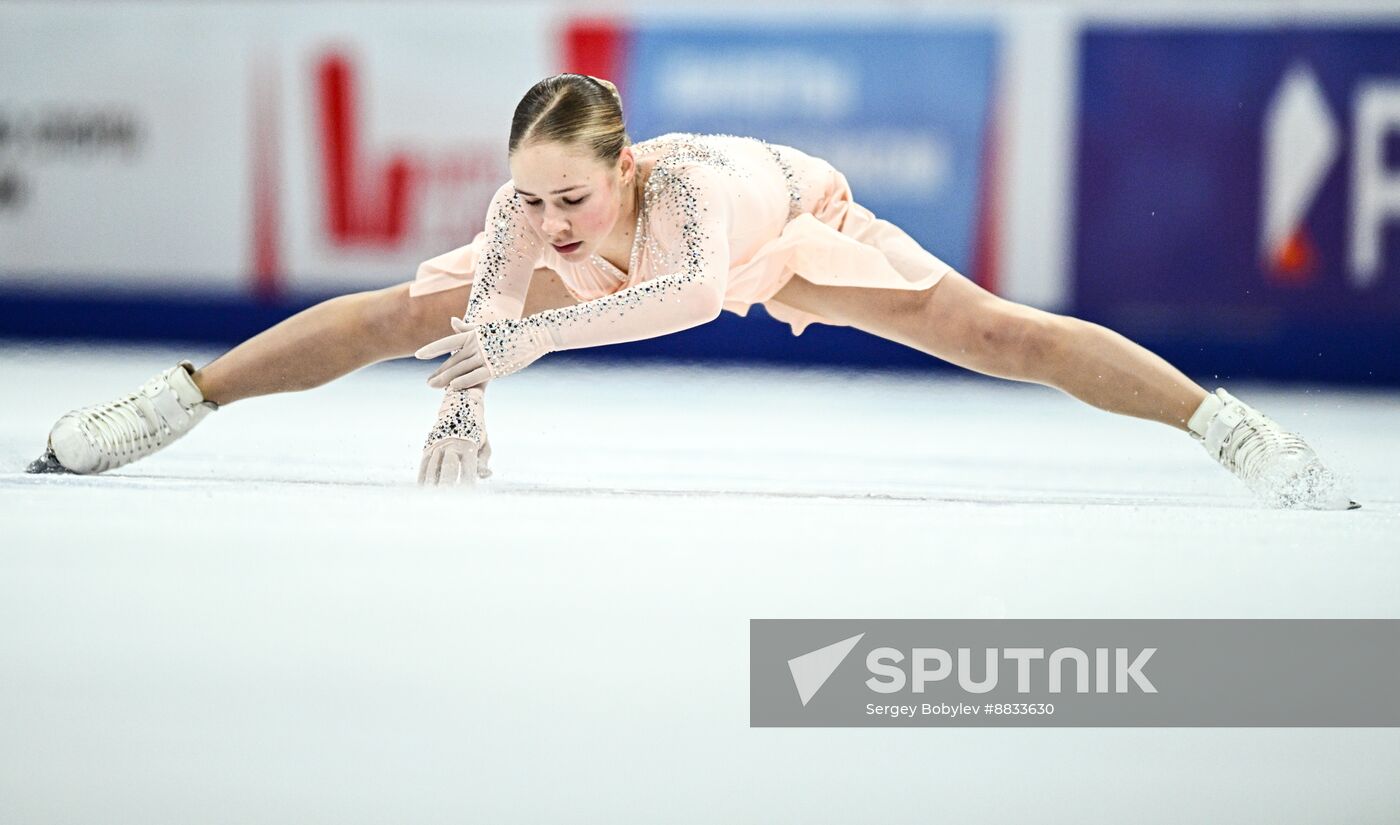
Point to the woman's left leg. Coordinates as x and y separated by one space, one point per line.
960 322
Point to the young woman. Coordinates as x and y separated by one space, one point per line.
595 241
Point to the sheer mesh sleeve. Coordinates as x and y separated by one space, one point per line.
687 237
504 261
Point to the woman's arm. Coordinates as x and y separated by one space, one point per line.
502 263
689 230
499 261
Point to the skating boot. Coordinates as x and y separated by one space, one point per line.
100 438
1276 465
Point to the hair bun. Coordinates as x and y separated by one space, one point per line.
568 108
612 89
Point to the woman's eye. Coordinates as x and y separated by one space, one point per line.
535 202
576 202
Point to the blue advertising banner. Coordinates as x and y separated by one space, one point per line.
903 111
1238 196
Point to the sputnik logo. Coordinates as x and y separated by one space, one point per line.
366 204
811 670
1301 144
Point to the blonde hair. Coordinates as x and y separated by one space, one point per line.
572 108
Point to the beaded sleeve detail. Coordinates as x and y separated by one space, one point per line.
505 263
461 415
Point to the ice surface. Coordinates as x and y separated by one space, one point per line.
269 622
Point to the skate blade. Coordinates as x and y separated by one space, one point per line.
47 463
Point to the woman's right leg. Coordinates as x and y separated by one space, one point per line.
341 335
310 348
328 340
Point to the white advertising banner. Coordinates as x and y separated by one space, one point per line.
263 147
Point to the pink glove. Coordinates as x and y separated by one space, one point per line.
457 452
481 352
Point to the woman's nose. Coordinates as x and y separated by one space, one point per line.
554 223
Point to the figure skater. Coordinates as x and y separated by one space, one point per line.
597 241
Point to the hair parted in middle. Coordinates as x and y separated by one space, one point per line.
571 108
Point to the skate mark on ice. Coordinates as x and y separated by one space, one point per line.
1018 498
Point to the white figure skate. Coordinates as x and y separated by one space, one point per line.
1276 465
101 438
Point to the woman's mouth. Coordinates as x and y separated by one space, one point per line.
567 248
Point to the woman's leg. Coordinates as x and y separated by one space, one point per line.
343 334
960 322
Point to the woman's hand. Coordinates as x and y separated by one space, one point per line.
481 352
457 451
466 367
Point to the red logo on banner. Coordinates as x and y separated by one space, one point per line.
416 201
366 201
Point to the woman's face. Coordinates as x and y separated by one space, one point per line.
572 199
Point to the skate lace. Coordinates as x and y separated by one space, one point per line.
123 430
1255 444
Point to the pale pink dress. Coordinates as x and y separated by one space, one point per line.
723 217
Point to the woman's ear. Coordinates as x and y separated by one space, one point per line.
626 166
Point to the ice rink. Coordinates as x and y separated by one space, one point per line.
270 623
